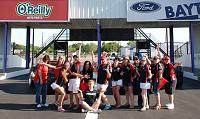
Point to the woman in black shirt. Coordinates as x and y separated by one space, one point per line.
87 70
145 75
90 99
59 86
156 70
116 82
128 72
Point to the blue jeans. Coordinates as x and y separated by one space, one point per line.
41 89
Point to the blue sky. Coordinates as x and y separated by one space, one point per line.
18 35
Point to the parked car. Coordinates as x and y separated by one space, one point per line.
179 76
31 76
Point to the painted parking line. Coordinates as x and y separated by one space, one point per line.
90 115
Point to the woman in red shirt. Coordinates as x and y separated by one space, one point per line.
168 74
40 81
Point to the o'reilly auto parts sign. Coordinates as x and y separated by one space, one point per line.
163 10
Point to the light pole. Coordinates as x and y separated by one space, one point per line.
13 48
42 40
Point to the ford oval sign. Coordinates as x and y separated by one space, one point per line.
145 6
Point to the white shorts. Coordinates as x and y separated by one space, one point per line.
145 85
54 86
74 85
102 87
117 83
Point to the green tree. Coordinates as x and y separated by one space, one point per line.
71 48
111 47
50 49
18 46
89 47
132 43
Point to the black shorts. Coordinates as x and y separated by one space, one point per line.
127 83
136 87
170 87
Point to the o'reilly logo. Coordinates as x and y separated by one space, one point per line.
145 7
28 9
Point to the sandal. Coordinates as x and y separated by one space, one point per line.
117 106
143 109
157 107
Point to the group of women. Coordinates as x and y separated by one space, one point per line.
142 74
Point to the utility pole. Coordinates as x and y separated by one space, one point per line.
42 40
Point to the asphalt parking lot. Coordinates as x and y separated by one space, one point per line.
17 102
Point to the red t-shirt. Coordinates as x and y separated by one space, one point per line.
44 71
57 72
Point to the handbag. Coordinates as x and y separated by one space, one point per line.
163 81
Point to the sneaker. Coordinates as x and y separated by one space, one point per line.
170 107
97 111
167 105
61 110
107 107
45 105
39 106
84 110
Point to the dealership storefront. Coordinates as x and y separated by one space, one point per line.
98 14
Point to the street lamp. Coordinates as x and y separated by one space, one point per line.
14 48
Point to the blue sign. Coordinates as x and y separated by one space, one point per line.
145 7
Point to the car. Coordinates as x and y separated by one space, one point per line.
179 76
31 76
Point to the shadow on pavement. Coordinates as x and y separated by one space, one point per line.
190 84
20 107
17 85
32 107
16 88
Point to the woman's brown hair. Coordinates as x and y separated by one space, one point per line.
46 58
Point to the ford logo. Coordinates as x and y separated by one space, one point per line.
145 6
